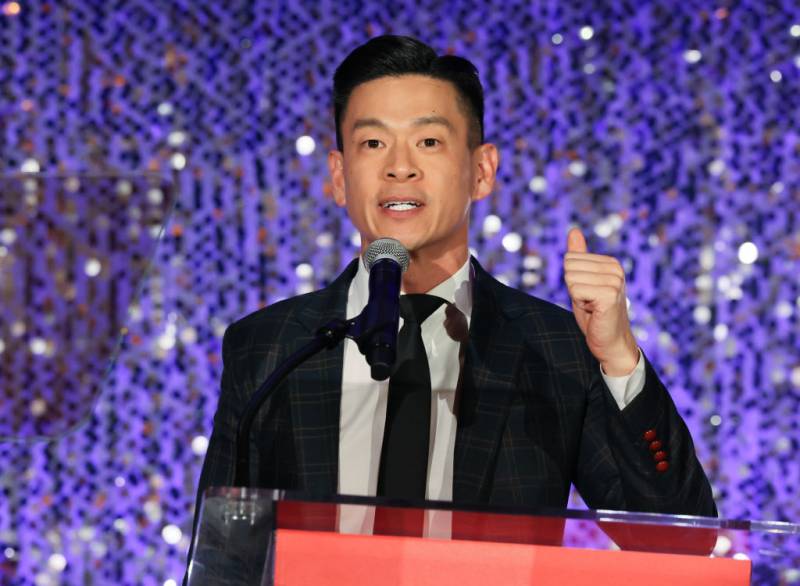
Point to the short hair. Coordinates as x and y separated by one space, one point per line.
391 55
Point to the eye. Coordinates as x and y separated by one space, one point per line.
372 143
430 142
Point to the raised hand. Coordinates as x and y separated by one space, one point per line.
596 285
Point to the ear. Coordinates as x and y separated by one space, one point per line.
486 159
336 171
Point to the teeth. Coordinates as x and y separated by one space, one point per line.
401 206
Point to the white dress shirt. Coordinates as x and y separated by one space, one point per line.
363 406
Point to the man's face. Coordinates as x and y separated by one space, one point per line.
406 170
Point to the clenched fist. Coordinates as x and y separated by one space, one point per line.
596 285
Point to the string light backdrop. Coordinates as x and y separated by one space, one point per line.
667 130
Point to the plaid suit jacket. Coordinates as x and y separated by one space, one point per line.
534 414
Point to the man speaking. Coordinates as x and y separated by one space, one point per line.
496 397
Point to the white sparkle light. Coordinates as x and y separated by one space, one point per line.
121 525
2 346
491 225
165 109
748 253
176 138
171 534
532 262
784 309
30 166
512 242
38 346
557 39
8 236
795 377
178 161
720 332
741 556
10 553
199 445
794 30
188 335
155 196
702 314
38 407
586 32
704 282
723 546
170 582
716 167
776 76
692 56
707 258
305 145
603 229
577 168
304 271
92 267
538 184
325 240
715 420
57 562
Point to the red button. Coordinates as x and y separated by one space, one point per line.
655 446
662 466
658 456
650 435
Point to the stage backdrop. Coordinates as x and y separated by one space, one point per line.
667 130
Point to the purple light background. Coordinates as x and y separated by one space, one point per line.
668 164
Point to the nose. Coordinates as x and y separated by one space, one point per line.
400 166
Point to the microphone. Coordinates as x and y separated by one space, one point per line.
386 260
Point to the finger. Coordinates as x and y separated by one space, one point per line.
589 256
592 278
575 241
610 268
601 295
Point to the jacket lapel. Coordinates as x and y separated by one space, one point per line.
491 361
315 389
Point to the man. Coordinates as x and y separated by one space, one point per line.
524 397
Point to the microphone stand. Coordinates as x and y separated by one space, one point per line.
328 336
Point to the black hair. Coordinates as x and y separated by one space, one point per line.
391 55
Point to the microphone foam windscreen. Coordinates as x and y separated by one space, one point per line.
386 248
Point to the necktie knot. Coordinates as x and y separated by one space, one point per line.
417 307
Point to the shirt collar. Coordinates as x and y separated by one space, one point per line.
456 289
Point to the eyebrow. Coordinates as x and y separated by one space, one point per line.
422 121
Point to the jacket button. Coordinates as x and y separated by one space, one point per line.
655 446
662 466
659 456
650 435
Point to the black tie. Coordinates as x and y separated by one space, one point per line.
404 457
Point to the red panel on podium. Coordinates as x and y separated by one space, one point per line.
321 558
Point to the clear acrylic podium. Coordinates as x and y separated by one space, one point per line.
264 537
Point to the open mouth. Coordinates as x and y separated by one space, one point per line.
400 206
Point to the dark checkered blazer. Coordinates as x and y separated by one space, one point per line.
534 414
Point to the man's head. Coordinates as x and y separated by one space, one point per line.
410 158
391 56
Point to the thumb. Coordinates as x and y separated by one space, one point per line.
575 241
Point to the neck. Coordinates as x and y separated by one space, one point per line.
426 269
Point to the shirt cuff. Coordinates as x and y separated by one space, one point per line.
625 388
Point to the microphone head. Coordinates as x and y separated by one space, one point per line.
386 248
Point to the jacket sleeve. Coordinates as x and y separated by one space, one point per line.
617 465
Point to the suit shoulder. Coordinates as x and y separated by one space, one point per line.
266 320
